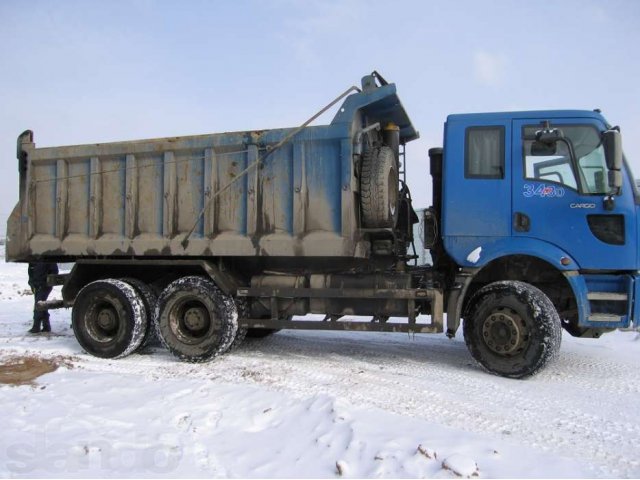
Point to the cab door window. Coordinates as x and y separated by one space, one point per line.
484 152
553 163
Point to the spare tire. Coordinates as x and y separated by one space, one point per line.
379 188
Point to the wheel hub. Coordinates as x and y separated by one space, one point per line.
502 332
195 318
106 319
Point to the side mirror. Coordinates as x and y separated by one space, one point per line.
548 135
612 142
613 149
546 141
542 149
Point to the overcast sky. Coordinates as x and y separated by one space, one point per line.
87 72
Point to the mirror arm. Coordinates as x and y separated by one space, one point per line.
572 157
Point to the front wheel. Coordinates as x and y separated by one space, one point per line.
512 329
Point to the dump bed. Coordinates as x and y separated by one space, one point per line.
142 198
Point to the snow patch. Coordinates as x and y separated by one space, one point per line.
461 466
378 404
342 468
427 452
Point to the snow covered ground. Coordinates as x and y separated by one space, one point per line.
306 404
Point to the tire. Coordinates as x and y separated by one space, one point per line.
195 320
241 333
379 188
150 300
512 329
109 318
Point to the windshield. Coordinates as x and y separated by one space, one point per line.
553 163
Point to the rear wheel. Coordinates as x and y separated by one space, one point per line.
195 320
109 318
512 329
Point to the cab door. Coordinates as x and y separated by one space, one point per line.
477 192
559 198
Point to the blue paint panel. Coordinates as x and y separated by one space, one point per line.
579 287
379 105
323 172
474 207
488 118
493 248
346 162
326 152
608 283
276 181
232 204
621 284
331 133
562 219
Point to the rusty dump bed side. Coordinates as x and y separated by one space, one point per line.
142 198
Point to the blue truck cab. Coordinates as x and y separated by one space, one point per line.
539 197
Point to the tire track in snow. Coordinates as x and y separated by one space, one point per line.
543 412
582 406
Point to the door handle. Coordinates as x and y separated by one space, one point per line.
521 222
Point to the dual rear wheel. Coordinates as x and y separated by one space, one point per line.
196 321
110 318
191 317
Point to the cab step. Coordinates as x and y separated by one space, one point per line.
606 317
607 296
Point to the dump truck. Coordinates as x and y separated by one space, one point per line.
207 239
